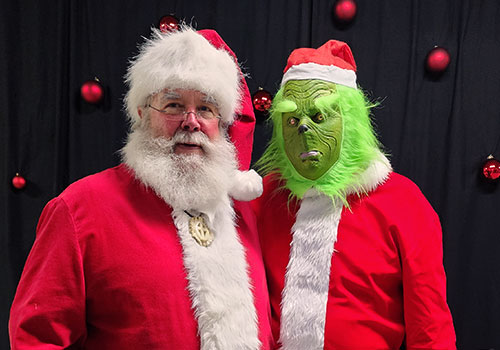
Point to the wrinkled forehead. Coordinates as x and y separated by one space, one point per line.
307 90
179 95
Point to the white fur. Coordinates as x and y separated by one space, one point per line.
218 281
377 172
187 182
219 285
311 70
247 185
307 278
303 304
183 59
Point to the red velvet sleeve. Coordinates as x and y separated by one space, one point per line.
48 311
428 320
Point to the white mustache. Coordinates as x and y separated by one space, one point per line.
197 138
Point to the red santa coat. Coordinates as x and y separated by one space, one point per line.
106 272
386 285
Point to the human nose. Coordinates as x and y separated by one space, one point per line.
190 122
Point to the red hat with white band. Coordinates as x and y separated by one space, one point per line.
333 62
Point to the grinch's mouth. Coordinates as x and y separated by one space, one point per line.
310 154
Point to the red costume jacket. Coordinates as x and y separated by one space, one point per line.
387 284
106 272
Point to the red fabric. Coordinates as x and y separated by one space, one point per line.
331 53
241 131
106 272
387 278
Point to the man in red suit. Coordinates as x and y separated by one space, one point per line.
160 252
353 251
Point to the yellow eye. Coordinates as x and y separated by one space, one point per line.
318 118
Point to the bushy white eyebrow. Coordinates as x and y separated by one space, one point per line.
210 100
170 95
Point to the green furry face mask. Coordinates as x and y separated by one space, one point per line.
337 118
312 139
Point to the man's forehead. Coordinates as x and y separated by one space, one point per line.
178 94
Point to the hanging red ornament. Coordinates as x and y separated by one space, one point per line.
345 10
92 91
18 182
168 23
262 100
491 168
437 60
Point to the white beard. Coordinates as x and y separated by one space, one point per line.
185 182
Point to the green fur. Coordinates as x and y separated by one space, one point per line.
359 144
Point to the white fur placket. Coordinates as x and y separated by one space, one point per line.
307 277
218 282
305 295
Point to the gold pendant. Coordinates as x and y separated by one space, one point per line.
200 231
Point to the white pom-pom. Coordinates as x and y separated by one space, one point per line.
247 185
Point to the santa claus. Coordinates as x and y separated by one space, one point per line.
160 252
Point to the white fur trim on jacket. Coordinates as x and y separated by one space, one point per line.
307 277
303 304
219 285
183 59
377 172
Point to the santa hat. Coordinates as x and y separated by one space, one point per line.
183 59
333 62
242 129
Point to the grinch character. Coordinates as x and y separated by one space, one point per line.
353 250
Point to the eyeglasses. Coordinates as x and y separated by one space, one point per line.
177 112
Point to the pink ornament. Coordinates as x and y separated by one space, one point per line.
491 168
168 23
438 60
18 182
92 91
262 100
345 10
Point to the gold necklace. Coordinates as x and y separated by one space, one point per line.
199 230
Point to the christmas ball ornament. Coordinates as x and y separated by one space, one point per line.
168 23
92 91
262 100
18 182
491 168
437 60
345 10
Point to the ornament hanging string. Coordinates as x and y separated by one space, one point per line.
88 28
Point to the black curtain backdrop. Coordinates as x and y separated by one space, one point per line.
437 130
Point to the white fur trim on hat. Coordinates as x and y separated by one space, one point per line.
247 185
183 59
316 71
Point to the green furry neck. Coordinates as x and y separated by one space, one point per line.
359 146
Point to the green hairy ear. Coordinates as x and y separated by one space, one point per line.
359 144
